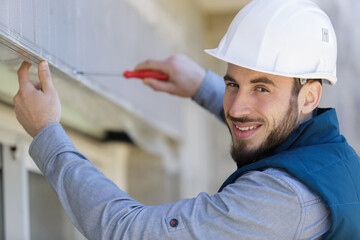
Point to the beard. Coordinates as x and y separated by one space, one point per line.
244 156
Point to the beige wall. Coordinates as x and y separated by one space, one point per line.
216 27
148 181
180 23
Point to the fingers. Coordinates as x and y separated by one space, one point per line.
45 76
159 85
23 75
154 65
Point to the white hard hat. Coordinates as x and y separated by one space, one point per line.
292 38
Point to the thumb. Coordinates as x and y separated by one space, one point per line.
45 76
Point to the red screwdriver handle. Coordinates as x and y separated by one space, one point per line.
146 74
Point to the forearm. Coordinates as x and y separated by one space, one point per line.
211 94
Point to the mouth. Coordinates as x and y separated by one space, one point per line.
245 130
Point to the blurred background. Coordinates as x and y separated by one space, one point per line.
157 147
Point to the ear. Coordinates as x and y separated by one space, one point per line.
309 97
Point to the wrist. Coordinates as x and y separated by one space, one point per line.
34 132
198 81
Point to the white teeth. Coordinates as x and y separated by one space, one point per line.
243 129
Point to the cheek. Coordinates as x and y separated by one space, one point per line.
274 110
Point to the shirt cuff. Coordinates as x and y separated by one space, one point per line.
211 94
206 86
51 140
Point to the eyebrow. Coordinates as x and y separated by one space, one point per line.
263 80
253 81
228 78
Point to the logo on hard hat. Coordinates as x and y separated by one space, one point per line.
325 35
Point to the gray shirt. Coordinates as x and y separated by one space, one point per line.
267 204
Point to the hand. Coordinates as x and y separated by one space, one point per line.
185 76
36 104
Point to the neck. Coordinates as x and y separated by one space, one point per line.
307 117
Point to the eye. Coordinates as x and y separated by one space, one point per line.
261 89
232 85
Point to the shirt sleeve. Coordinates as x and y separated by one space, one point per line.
256 206
211 94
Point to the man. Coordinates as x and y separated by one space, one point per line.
297 178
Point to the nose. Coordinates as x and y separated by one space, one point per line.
240 105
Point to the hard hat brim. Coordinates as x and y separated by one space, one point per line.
328 78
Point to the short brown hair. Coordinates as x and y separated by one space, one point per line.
297 85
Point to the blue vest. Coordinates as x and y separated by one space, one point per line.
320 157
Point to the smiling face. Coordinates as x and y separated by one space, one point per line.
261 112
